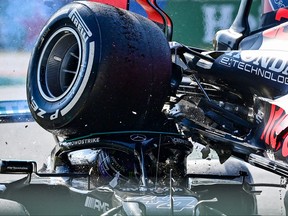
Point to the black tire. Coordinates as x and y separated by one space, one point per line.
97 68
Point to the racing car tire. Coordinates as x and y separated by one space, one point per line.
97 68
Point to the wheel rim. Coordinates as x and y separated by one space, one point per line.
59 64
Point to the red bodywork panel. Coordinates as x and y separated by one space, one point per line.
154 12
116 3
275 132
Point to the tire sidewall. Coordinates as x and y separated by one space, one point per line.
60 111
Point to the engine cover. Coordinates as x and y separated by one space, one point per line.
264 73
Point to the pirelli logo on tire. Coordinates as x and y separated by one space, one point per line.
80 24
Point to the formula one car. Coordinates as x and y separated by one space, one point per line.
127 106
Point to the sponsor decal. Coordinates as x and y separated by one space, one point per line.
276 125
265 66
83 141
163 189
138 137
96 204
276 4
176 140
80 24
180 203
